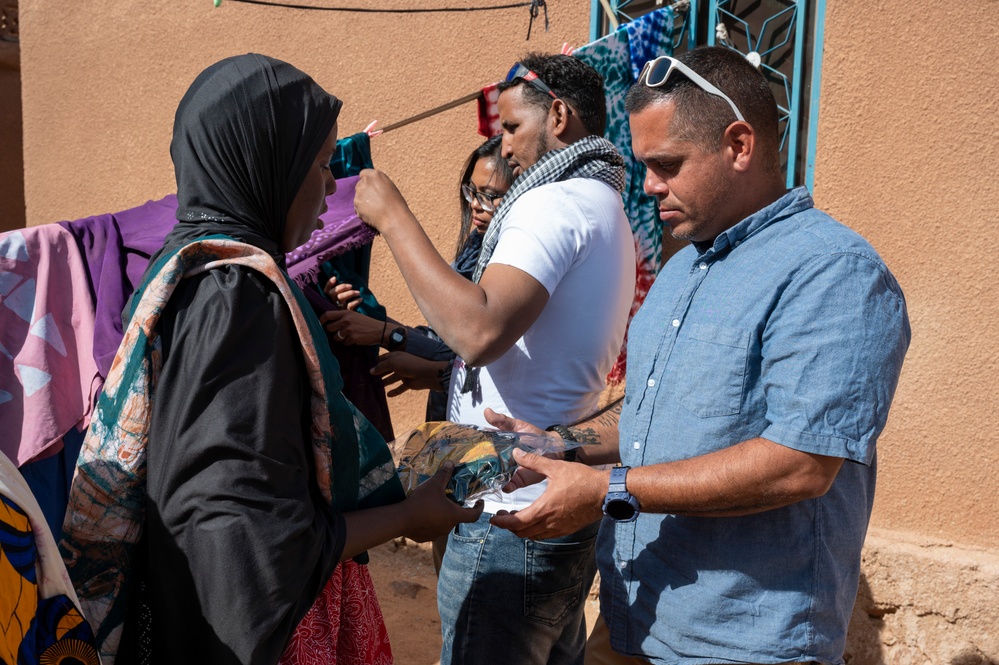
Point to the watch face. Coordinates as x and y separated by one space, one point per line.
397 336
619 509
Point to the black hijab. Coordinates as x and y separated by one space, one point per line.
245 134
231 408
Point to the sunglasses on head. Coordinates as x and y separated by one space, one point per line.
656 72
532 79
487 201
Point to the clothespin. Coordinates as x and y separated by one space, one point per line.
371 131
566 49
218 2
754 59
536 7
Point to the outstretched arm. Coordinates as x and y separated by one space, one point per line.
424 515
749 477
480 322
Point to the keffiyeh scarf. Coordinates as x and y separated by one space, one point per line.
590 157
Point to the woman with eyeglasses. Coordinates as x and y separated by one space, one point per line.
417 358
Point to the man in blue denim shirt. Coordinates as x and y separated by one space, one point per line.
761 370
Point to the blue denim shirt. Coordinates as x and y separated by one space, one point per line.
789 327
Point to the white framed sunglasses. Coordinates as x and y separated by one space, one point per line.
657 72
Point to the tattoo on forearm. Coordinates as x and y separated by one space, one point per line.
591 428
586 435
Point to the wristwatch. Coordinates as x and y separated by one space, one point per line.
397 338
569 454
619 504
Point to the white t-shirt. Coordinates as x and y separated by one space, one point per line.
574 238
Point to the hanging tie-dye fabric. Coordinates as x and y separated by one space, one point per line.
619 58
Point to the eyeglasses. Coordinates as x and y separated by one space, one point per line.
532 79
487 201
657 72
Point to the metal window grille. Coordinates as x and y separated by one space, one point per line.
788 36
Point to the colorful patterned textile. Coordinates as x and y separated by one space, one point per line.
619 58
47 369
104 521
40 621
344 626
489 122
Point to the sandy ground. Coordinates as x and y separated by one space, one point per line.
404 577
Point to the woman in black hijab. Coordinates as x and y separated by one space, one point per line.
252 513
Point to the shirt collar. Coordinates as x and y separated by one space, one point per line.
793 202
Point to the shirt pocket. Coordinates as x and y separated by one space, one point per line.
711 370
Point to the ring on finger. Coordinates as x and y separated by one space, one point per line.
339 334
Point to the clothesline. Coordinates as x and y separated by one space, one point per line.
535 8
434 111
679 6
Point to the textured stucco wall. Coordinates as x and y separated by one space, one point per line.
102 80
907 155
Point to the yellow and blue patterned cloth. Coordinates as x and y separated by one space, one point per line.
40 621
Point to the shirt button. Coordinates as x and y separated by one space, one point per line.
704 266
676 323
622 564
651 382
637 445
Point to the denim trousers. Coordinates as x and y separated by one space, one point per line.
506 600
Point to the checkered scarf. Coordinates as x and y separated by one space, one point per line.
590 157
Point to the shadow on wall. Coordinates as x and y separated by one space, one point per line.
885 633
12 213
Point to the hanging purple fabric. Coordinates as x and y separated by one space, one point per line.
117 247
342 231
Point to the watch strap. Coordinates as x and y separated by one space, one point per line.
618 479
569 454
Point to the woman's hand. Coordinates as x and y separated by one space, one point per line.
431 512
344 296
351 328
409 371
377 201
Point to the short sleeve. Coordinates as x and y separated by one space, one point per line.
545 234
832 354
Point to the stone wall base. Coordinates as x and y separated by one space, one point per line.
924 603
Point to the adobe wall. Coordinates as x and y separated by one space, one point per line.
102 80
907 149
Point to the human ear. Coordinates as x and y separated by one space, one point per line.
739 144
559 114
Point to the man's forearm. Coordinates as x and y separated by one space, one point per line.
747 478
599 434
452 305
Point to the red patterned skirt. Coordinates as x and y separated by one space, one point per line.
344 625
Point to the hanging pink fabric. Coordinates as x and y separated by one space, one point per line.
47 368
344 626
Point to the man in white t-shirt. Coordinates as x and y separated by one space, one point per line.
538 328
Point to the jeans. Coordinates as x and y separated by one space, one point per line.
507 600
